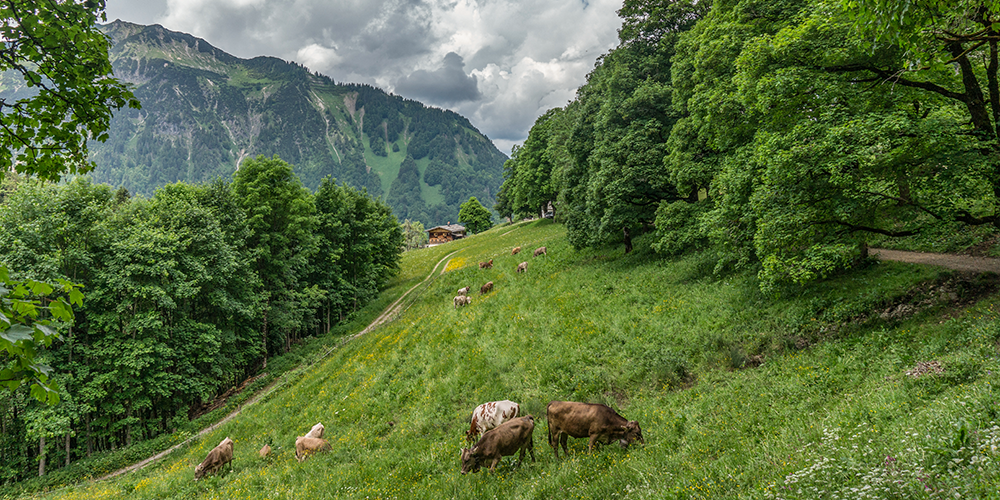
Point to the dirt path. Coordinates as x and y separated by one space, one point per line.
950 261
390 313
397 307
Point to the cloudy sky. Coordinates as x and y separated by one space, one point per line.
501 63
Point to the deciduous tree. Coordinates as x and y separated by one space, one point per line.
475 216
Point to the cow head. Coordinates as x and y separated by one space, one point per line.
632 432
198 472
470 461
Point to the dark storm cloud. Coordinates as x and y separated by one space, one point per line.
446 85
501 63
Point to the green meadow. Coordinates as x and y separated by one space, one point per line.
879 383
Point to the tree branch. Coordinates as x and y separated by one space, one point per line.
853 227
894 76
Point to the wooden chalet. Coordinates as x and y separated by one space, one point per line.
444 234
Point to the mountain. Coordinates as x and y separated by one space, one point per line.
204 111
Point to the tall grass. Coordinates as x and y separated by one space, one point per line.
739 395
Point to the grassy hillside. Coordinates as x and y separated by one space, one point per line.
739 395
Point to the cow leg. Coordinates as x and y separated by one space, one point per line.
562 440
554 443
493 465
593 439
531 448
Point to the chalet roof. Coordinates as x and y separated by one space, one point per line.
452 228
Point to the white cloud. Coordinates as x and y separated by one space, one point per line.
524 57
318 58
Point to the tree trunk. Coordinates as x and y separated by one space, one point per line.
41 456
67 449
628 240
975 101
267 305
862 253
90 437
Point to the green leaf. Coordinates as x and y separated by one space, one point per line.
47 330
61 310
76 296
17 333
40 288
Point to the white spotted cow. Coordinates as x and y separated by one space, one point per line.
490 415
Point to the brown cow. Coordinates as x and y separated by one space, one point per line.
486 288
515 250
541 251
305 446
505 440
522 267
569 419
264 451
486 265
216 459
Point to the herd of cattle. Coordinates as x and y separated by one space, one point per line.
496 425
463 298
499 430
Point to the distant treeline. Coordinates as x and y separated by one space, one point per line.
187 293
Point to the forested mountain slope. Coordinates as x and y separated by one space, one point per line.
204 111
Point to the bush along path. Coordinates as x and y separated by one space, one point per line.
390 313
950 261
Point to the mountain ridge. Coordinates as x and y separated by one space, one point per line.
205 110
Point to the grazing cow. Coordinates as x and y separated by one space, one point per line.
486 288
522 267
597 421
503 441
490 415
541 251
515 250
486 265
464 291
264 451
316 431
216 459
305 446
462 300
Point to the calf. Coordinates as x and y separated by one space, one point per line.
541 251
486 288
264 451
462 300
522 267
305 446
216 459
503 441
316 431
486 265
596 421
490 415
464 291
515 250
